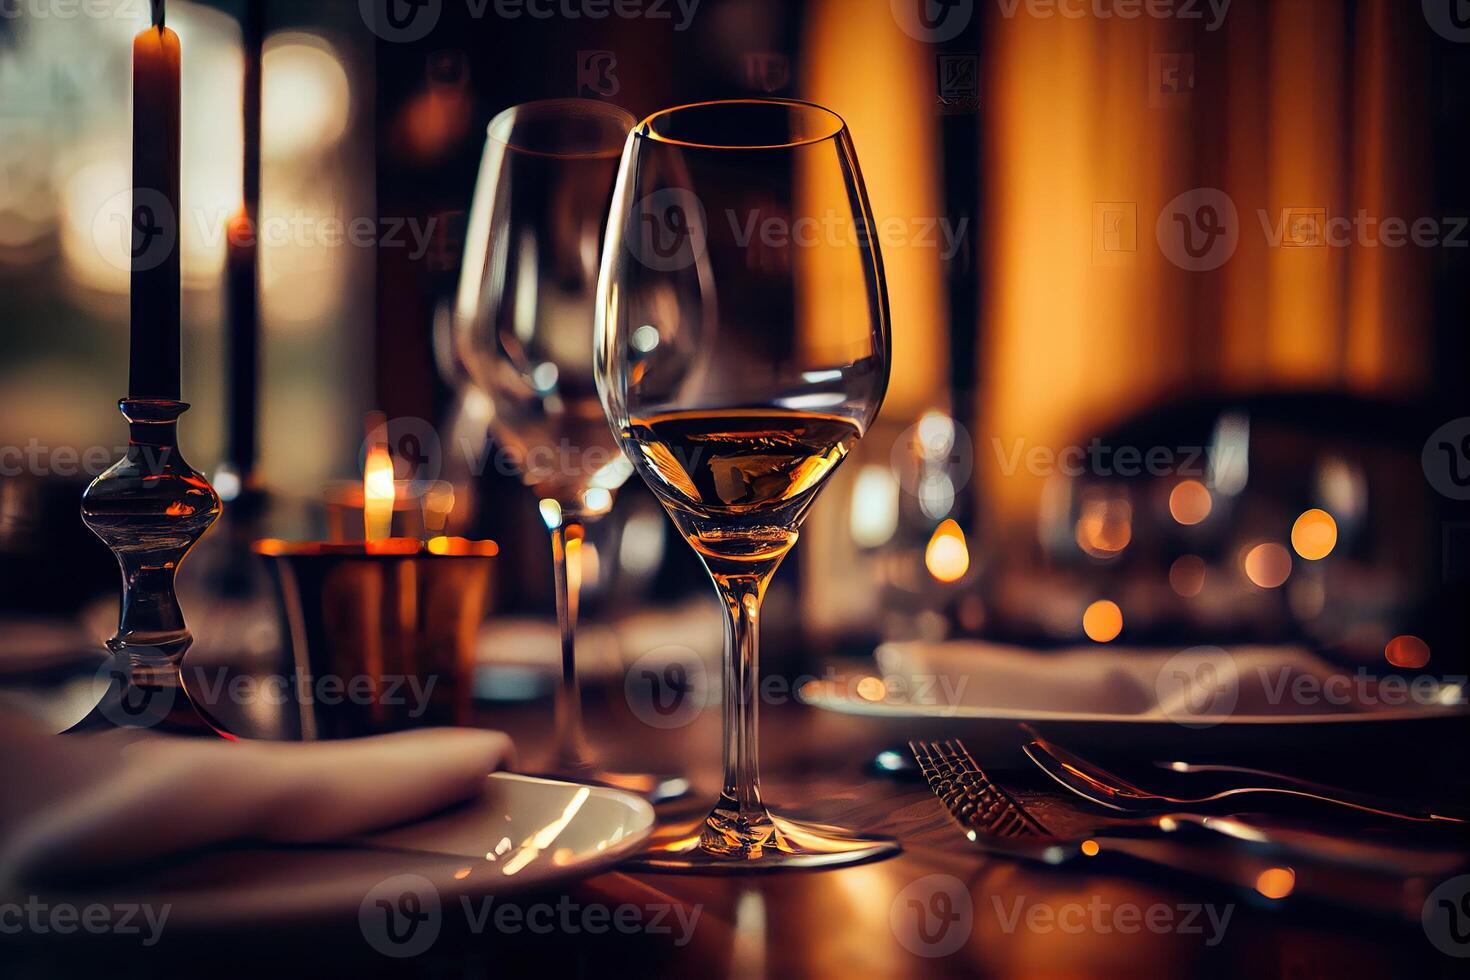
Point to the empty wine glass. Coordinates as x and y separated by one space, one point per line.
523 328
742 349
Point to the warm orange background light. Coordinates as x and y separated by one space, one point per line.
1268 565
1276 882
1190 502
1102 621
1278 119
1314 535
947 557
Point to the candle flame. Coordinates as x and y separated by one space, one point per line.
378 493
947 557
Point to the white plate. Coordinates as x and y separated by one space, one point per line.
1204 686
1103 696
524 834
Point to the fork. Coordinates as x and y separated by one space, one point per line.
968 794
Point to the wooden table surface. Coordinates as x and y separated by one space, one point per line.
943 907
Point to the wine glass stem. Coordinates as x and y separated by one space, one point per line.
743 595
566 556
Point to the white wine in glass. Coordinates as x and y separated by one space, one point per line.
742 349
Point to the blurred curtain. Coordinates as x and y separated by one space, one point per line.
855 60
881 81
1295 104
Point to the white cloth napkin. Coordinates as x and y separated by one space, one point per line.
1119 681
89 803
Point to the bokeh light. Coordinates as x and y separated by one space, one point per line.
305 96
936 435
1105 526
1407 651
1102 621
1276 883
875 499
947 557
1187 575
1268 565
1190 502
1314 534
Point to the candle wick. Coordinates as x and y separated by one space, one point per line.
158 13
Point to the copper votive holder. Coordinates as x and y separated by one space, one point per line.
382 633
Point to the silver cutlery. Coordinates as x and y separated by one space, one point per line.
1179 845
1110 790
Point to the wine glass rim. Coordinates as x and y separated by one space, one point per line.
837 125
499 129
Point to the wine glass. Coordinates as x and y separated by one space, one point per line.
742 349
523 330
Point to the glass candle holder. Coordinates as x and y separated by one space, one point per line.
150 508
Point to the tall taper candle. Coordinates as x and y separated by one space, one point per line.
154 360
242 282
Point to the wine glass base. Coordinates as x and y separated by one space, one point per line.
780 844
